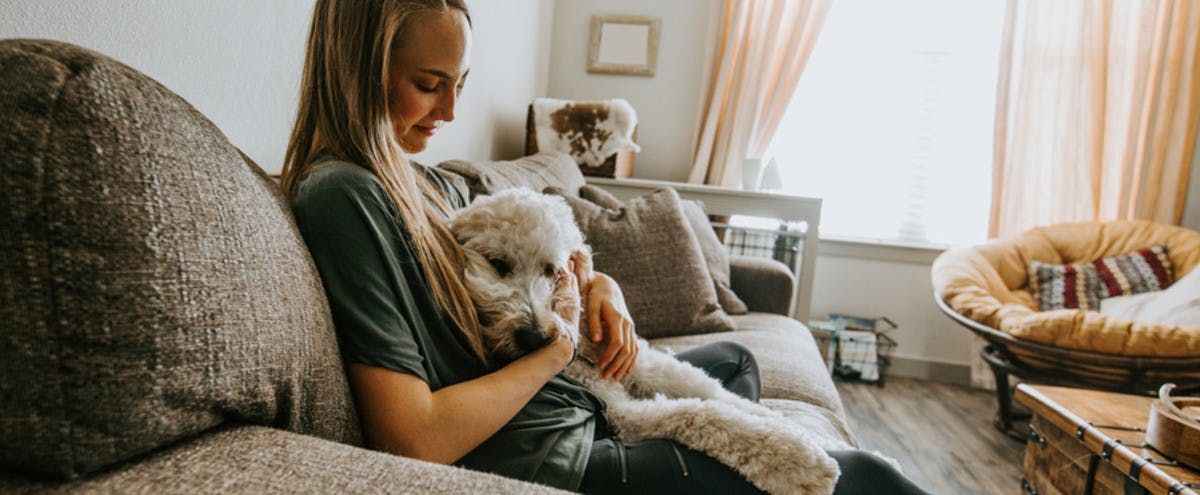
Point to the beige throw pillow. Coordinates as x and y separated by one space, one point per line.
647 246
714 252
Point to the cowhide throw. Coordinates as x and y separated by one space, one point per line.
590 131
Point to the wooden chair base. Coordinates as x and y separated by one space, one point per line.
1039 363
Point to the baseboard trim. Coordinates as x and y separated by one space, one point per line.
954 374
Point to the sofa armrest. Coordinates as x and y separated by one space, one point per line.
765 285
255 459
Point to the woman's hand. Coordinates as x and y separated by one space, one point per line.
608 319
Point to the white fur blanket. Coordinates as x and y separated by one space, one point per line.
589 131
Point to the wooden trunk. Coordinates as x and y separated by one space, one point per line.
1078 434
1058 463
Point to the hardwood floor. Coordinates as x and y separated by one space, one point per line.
941 434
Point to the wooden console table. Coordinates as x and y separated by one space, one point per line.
726 201
1088 441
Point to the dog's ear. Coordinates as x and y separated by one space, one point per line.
564 218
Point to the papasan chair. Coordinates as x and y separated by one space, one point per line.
987 289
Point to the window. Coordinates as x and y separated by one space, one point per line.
892 120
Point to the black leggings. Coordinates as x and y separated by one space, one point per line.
665 466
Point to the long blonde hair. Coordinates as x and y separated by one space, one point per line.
344 113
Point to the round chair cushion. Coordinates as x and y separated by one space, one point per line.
989 284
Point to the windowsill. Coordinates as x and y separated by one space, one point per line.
879 250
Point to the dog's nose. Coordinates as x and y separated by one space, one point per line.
530 338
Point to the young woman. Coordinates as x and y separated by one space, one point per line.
380 78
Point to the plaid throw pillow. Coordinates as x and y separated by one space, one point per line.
1083 285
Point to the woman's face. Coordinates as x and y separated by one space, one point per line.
427 73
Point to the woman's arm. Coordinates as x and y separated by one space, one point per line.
607 317
402 416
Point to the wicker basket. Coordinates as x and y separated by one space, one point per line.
856 348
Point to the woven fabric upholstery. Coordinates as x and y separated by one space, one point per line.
535 172
257 460
602 198
630 243
715 254
152 282
764 284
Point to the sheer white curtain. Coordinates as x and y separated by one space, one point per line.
761 52
1097 112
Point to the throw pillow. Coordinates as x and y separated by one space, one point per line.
1083 285
714 252
535 172
1144 271
648 247
716 256
153 285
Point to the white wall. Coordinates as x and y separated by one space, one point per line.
851 282
667 103
239 63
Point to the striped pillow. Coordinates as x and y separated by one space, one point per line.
1083 285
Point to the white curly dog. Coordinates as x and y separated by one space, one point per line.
517 244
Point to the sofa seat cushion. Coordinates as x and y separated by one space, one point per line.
152 282
255 459
788 357
829 429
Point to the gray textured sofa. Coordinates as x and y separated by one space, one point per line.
162 328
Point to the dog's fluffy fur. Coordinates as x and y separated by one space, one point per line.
517 244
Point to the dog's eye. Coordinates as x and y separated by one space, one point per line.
501 267
548 270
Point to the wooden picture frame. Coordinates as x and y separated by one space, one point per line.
624 44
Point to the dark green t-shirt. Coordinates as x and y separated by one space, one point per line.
385 316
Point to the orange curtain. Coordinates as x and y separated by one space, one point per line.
761 52
1097 112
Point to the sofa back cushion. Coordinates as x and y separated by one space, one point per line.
535 172
153 284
